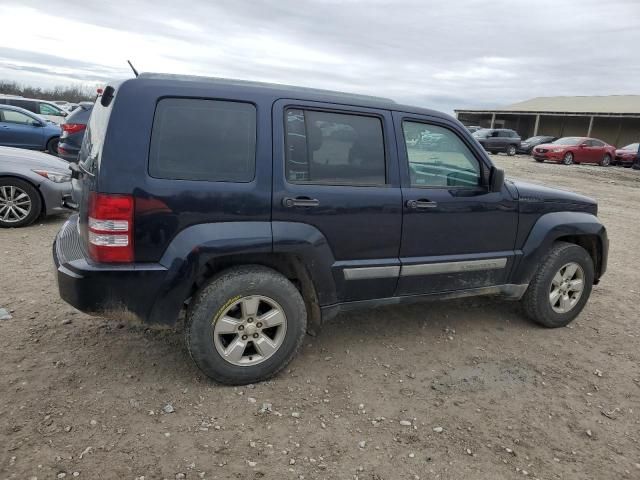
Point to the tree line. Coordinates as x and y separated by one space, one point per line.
70 93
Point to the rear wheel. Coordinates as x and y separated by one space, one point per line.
52 146
568 158
20 203
245 325
561 287
511 150
606 160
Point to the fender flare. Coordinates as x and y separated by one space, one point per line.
196 246
192 249
547 230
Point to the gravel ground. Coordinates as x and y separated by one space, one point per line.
450 390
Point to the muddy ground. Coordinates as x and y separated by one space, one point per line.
481 392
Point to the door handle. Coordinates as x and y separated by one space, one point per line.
421 204
300 202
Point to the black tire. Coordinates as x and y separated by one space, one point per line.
511 150
536 302
606 160
52 146
210 303
35 207
568 158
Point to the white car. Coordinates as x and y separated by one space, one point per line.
44 108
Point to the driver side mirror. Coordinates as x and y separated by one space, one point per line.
496 180
35 123
583 145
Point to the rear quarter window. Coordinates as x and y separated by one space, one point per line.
212 140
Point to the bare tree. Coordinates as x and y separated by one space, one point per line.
70 93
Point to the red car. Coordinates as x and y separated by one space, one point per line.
626 155
570 150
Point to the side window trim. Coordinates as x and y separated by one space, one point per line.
354 112
483 165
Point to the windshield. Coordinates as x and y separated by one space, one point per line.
568 141
482 133
633 146
535 139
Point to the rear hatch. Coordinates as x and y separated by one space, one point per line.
89 160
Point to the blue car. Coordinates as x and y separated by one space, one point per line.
23 129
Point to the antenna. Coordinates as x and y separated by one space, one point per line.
135 72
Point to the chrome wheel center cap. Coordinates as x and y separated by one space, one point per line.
250 329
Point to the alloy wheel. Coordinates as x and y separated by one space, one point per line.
250 330
568 158
15 204
566 287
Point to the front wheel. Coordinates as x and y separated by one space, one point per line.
245 325
511 150
561 287
606 160
20 203
568 158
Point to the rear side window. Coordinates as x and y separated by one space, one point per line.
26 104
334 148
203 140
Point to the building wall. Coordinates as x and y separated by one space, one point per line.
618 131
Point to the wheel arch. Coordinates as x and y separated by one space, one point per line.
287 264
580 228
24 178
198 253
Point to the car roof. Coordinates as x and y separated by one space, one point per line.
13 97
285 91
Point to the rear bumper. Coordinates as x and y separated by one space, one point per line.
67 151
126 292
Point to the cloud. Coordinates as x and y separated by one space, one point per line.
444 55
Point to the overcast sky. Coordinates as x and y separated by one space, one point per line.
441 54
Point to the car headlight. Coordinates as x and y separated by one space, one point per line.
557 150
54 176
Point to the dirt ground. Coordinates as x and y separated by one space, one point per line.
463 389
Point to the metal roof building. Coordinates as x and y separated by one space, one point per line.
613 118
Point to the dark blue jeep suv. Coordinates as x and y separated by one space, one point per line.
265 209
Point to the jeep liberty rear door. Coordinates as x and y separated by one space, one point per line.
335 171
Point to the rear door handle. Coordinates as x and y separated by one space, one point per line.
300 202
421 204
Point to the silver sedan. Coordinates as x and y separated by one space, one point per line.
32 185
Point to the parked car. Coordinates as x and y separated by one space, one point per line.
570 150
236 201
73 132
526 146
44 108
32 185
473 128
625 156
23 129
496 140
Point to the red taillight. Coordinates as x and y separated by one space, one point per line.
62 151
73 127
110 225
